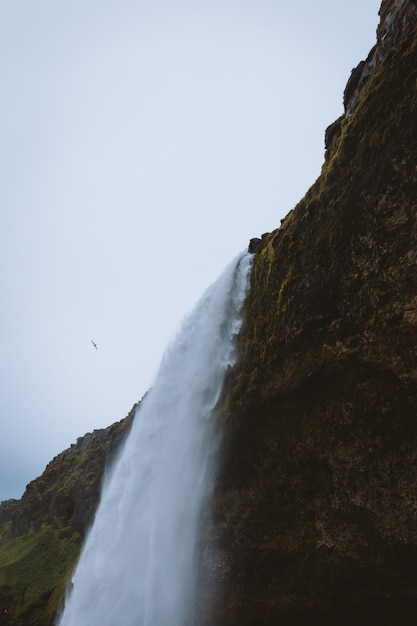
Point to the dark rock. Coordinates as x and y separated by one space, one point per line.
331 136
255 245
314 511
50 522
352 86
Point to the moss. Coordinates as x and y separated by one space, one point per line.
41 535
34 570
282 306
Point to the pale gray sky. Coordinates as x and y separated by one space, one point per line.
142 144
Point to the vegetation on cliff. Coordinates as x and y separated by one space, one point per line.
315 505
41 534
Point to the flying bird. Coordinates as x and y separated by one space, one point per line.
94 344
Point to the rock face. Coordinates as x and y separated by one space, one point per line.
41 534
315 509
67 493
314 514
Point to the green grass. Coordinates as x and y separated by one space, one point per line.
34 570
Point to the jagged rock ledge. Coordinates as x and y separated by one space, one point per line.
67 493
396 18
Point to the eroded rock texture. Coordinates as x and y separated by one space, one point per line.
315 508
41 534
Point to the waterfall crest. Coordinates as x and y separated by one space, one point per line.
137 567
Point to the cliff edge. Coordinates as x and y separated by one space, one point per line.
315 506
41 534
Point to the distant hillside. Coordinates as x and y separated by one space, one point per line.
41 534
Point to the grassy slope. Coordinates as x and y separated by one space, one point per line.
41 535
34 570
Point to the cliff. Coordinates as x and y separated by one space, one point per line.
315 506
41 534
313 519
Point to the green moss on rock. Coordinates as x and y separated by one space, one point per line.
34 571
314 507
41 534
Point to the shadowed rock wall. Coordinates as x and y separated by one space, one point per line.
315 508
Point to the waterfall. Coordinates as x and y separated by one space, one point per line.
137 567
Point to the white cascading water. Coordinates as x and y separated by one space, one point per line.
137 567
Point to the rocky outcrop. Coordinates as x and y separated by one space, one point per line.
67 493
315 507
41 534
396 21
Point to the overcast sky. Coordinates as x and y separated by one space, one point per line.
142 144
